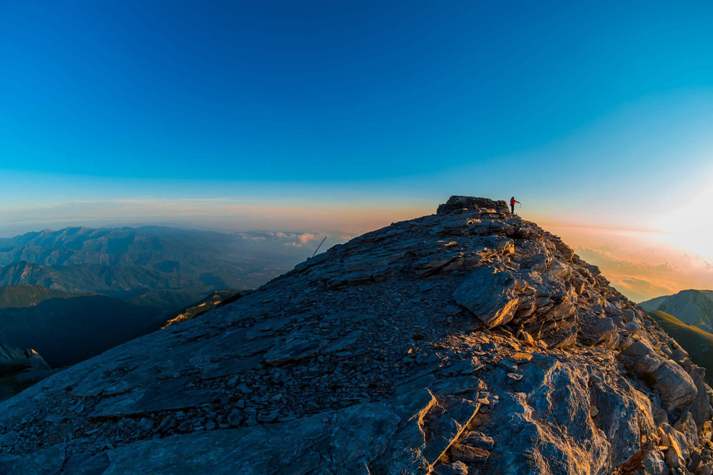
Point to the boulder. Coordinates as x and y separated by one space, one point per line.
491 295
670 380
600 331
676 387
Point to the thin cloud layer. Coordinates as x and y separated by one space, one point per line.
636 262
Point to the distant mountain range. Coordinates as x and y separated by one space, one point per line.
129 261
693 307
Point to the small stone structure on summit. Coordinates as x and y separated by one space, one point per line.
466 342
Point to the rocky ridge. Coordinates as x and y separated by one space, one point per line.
469 341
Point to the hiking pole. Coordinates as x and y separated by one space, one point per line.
320 245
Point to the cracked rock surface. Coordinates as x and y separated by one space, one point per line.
466 342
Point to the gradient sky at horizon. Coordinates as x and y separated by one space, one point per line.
346 115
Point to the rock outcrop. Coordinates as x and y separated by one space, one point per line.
19 369
466 342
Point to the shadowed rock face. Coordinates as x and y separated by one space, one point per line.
19 369
470 341
13 360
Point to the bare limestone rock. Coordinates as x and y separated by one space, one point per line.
466 342
490 295
670 380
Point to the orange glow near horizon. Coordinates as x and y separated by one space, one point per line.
641 263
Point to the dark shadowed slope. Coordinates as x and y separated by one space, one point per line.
470 341
66 331
694 307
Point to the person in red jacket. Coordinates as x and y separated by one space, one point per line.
513 202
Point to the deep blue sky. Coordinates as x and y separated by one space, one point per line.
556 101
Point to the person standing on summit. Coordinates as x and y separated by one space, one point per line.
513 202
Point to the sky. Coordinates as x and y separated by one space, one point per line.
344 116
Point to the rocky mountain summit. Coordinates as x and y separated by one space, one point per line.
466 342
